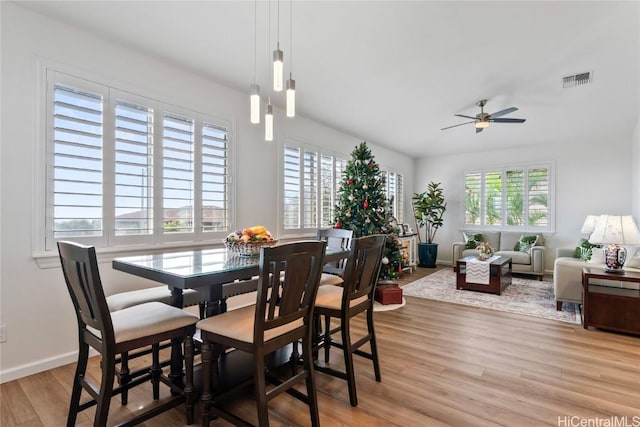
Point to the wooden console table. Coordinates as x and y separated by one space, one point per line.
609 305
410 247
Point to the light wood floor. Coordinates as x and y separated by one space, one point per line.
442 364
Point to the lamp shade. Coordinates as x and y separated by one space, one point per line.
620 230
589 224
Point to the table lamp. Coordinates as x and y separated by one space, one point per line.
589 225
613 231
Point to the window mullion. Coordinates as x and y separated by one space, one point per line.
108 168
158 176
197 185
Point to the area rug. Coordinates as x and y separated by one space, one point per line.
523 296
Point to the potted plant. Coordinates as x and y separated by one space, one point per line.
428 209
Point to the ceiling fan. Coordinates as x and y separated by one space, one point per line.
483 119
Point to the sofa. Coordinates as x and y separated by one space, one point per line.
530 261
567 272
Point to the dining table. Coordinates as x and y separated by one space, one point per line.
206 270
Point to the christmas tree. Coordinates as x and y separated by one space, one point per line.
362 207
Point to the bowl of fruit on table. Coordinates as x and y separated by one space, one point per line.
247 242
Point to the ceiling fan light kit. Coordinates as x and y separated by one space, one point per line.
482 119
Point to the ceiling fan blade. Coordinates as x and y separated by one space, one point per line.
478 130
466 117
503 112
459 124
507 120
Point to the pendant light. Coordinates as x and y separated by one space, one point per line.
291 84
255 88
268 122
278 61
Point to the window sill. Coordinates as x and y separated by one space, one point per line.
51 259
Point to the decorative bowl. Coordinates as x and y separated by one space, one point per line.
250 248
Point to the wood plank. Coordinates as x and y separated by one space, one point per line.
442 364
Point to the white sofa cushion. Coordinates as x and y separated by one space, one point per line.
517 257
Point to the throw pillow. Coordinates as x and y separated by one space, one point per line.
525 243
584 249
634 262
597 256
472 240
633 255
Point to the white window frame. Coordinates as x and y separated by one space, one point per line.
303 230
43 241
503 226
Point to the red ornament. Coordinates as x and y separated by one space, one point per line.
350 181
338 225
365 204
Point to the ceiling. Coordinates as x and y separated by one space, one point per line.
395 72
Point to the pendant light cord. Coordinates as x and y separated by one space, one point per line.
269 76
255 39
290 38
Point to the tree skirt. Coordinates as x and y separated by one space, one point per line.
523 296
386 307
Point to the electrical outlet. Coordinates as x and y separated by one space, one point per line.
3 333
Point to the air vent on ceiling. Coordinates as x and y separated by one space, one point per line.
577 79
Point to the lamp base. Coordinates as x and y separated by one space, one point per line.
614 258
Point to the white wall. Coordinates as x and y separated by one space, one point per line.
35 305
635 168
592 177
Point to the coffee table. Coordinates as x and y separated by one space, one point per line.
500 275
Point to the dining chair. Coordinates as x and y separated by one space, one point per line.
287 285
336 238
119 332
127 299
347 301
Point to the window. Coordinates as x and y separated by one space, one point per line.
510 198
310 183
395 194
125 169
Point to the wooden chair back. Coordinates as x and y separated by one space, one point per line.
336 238
80 269
362 269
288 283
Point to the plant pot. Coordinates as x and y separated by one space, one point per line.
427 254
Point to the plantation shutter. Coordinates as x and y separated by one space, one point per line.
539 189
215 172
399 198
515 197
76 174
292 177
310 188
472 192
133 169
326 190
178 173
391 192
493 197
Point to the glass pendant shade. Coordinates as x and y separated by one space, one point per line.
268 124
255 104
278 69
291 97
481 124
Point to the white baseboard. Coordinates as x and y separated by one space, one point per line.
40 366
